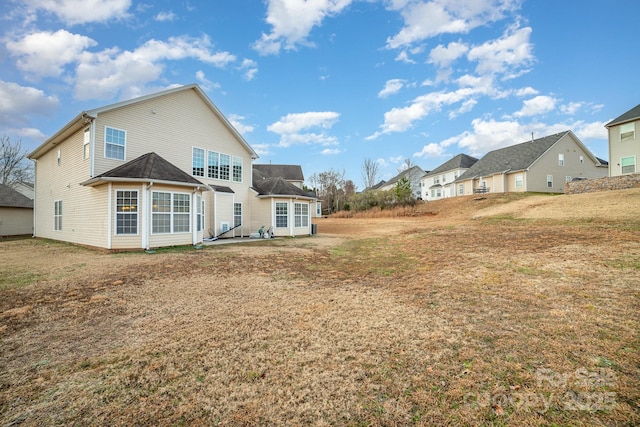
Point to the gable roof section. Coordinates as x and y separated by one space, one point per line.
513 158
278 187
87 116
631 115
147 168
288 172
405 173
461 161
10 198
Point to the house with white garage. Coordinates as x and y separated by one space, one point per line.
159 170
540 165
440 182
624 143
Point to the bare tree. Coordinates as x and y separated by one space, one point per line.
14 165
331 188
370 172
407 164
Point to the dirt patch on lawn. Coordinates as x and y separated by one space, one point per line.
525 315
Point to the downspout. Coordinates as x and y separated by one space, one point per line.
149 216
35 192
292 215
92 148
215 213
194 219
109 217
144 224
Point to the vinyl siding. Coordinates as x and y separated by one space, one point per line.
16 221
261 214
83 208
619 149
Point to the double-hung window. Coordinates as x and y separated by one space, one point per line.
57 215
213 163
628 164
627 132
224 167
197 162
301 215
561 159
519 180
237 169
86 144
237 214
281 215
115 141
126 212
170 212
549 181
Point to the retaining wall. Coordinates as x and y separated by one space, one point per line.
602 184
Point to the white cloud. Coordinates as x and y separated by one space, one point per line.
104 74
404 57
165 17
19 103
45 53
512 51
205 83
391 87
592 130
331 151
443 56
296 128
74 12
431 150
464 108
427 19
250 68
571 108
526 91
291 22
262 149
236 121
535 106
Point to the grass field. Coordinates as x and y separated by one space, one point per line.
505 310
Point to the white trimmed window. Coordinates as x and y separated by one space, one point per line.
567 178
126 212
213 163
628 164
224 167
282 215
561 159
170 212
519 180
237 169
318 209
115 141
57 215
627 132
197 162
199 213
550 181
237 214
581 159
85 144
301 214
461 189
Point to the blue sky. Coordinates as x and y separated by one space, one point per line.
328 83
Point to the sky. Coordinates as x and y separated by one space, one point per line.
327 84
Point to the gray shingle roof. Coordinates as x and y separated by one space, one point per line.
288 172
630 115
515 157
277 187
149 166
221 189
413 169
461 161
10 198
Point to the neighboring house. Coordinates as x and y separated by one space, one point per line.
541 165
24 188
414 174
439 183
16 212
163 169
281 201
624 143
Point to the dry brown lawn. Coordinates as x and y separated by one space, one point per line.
505 310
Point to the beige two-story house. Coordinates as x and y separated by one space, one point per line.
540 165
624 143
163 169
